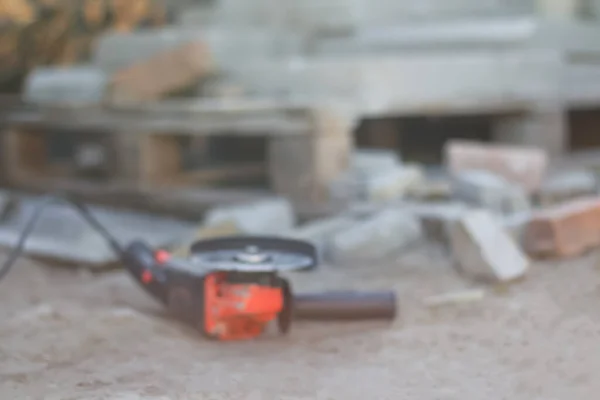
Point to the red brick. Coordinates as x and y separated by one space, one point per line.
566 230
163 74
524 166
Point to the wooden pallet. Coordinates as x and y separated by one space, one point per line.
305 148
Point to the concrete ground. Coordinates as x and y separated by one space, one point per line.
67 335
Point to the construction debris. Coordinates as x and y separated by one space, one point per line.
182 249
64 235
375 237
566 230
455 298
437 218
271 216
567 185
519 165
377 184
321 232
484 250
163 74
485 189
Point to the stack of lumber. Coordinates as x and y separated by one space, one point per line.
62 32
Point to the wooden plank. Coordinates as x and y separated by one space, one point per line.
190 125
24 153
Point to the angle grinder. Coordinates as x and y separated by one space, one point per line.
229 288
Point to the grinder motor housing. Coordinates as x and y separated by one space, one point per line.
230 288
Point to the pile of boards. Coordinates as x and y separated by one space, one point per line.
62 32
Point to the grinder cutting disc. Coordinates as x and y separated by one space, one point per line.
254 254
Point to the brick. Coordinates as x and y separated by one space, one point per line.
567 185
485 189
375 237
164 73
524 166
484 250
565 230
270 216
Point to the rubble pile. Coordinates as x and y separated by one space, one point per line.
495 210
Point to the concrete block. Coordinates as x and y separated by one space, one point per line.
375 237
83 84
544 127
392 184
566 230
484 250
567 185
431 190
515 224
367 161
321 232
437 218
524 166
376 185
270 216
484 189
182 247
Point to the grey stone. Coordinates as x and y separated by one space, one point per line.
375 237
269 216
372 160
484 250
516 223
437 218
62 234
376 185
320 233
485 189
82 84
567 185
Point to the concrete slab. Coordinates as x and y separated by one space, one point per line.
62 234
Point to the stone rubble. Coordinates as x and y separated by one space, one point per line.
484 250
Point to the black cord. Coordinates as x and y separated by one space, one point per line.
83 211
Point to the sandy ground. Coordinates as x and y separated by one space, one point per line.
67 335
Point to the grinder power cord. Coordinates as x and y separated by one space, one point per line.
228 288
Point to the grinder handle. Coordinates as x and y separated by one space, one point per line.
139 260
345 305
